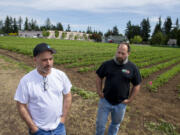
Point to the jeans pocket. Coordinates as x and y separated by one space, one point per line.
61 124
60 130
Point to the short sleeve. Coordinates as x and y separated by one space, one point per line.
66 84
101 71
136 77
21 94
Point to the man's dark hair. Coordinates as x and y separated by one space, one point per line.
127 44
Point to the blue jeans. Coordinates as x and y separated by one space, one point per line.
117 115
60 130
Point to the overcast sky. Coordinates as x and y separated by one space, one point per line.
99 14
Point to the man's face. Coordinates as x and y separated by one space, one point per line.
122 53
44 62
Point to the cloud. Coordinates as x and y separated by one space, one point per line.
91 5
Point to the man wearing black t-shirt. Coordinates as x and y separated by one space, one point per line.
119 73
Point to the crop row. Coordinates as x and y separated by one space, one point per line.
148 71
96 65
163 78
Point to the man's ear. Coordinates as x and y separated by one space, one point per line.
34 59
128 53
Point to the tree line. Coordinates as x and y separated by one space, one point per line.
160 36
12 25
134 33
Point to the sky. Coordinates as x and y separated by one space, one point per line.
101 15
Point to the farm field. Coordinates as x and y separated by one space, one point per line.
154 111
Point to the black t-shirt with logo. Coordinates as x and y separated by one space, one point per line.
118 78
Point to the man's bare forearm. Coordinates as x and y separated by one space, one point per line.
66 105
24 113
99 86
133 93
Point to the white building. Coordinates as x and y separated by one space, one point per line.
32 34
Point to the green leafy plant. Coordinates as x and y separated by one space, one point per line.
163 78
162 126
56 33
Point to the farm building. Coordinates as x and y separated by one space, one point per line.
115 39
172 42
62 35
69 35
32 34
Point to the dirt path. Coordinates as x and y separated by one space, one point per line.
145 108
9 78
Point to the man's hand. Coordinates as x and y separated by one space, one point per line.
126 101
63 119
133 93
34 129
24 113
101 94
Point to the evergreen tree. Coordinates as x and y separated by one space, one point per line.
167 29
59 27
7 25
68 28
158 27
53 27
1 26
128 32
20 21
33 25
145 29
167 26
89 30
178 37
115 31
177 23
48 24
15 27
36 27
26 24
108 33
132 30
11 24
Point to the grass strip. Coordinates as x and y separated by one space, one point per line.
84 93
19 64
163 127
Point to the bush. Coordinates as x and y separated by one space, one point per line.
85 36
76 37
96 37
136 40
12 34
178 37
158 39
56 33
71 36
45 33
64 34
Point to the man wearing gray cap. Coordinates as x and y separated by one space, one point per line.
44 95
